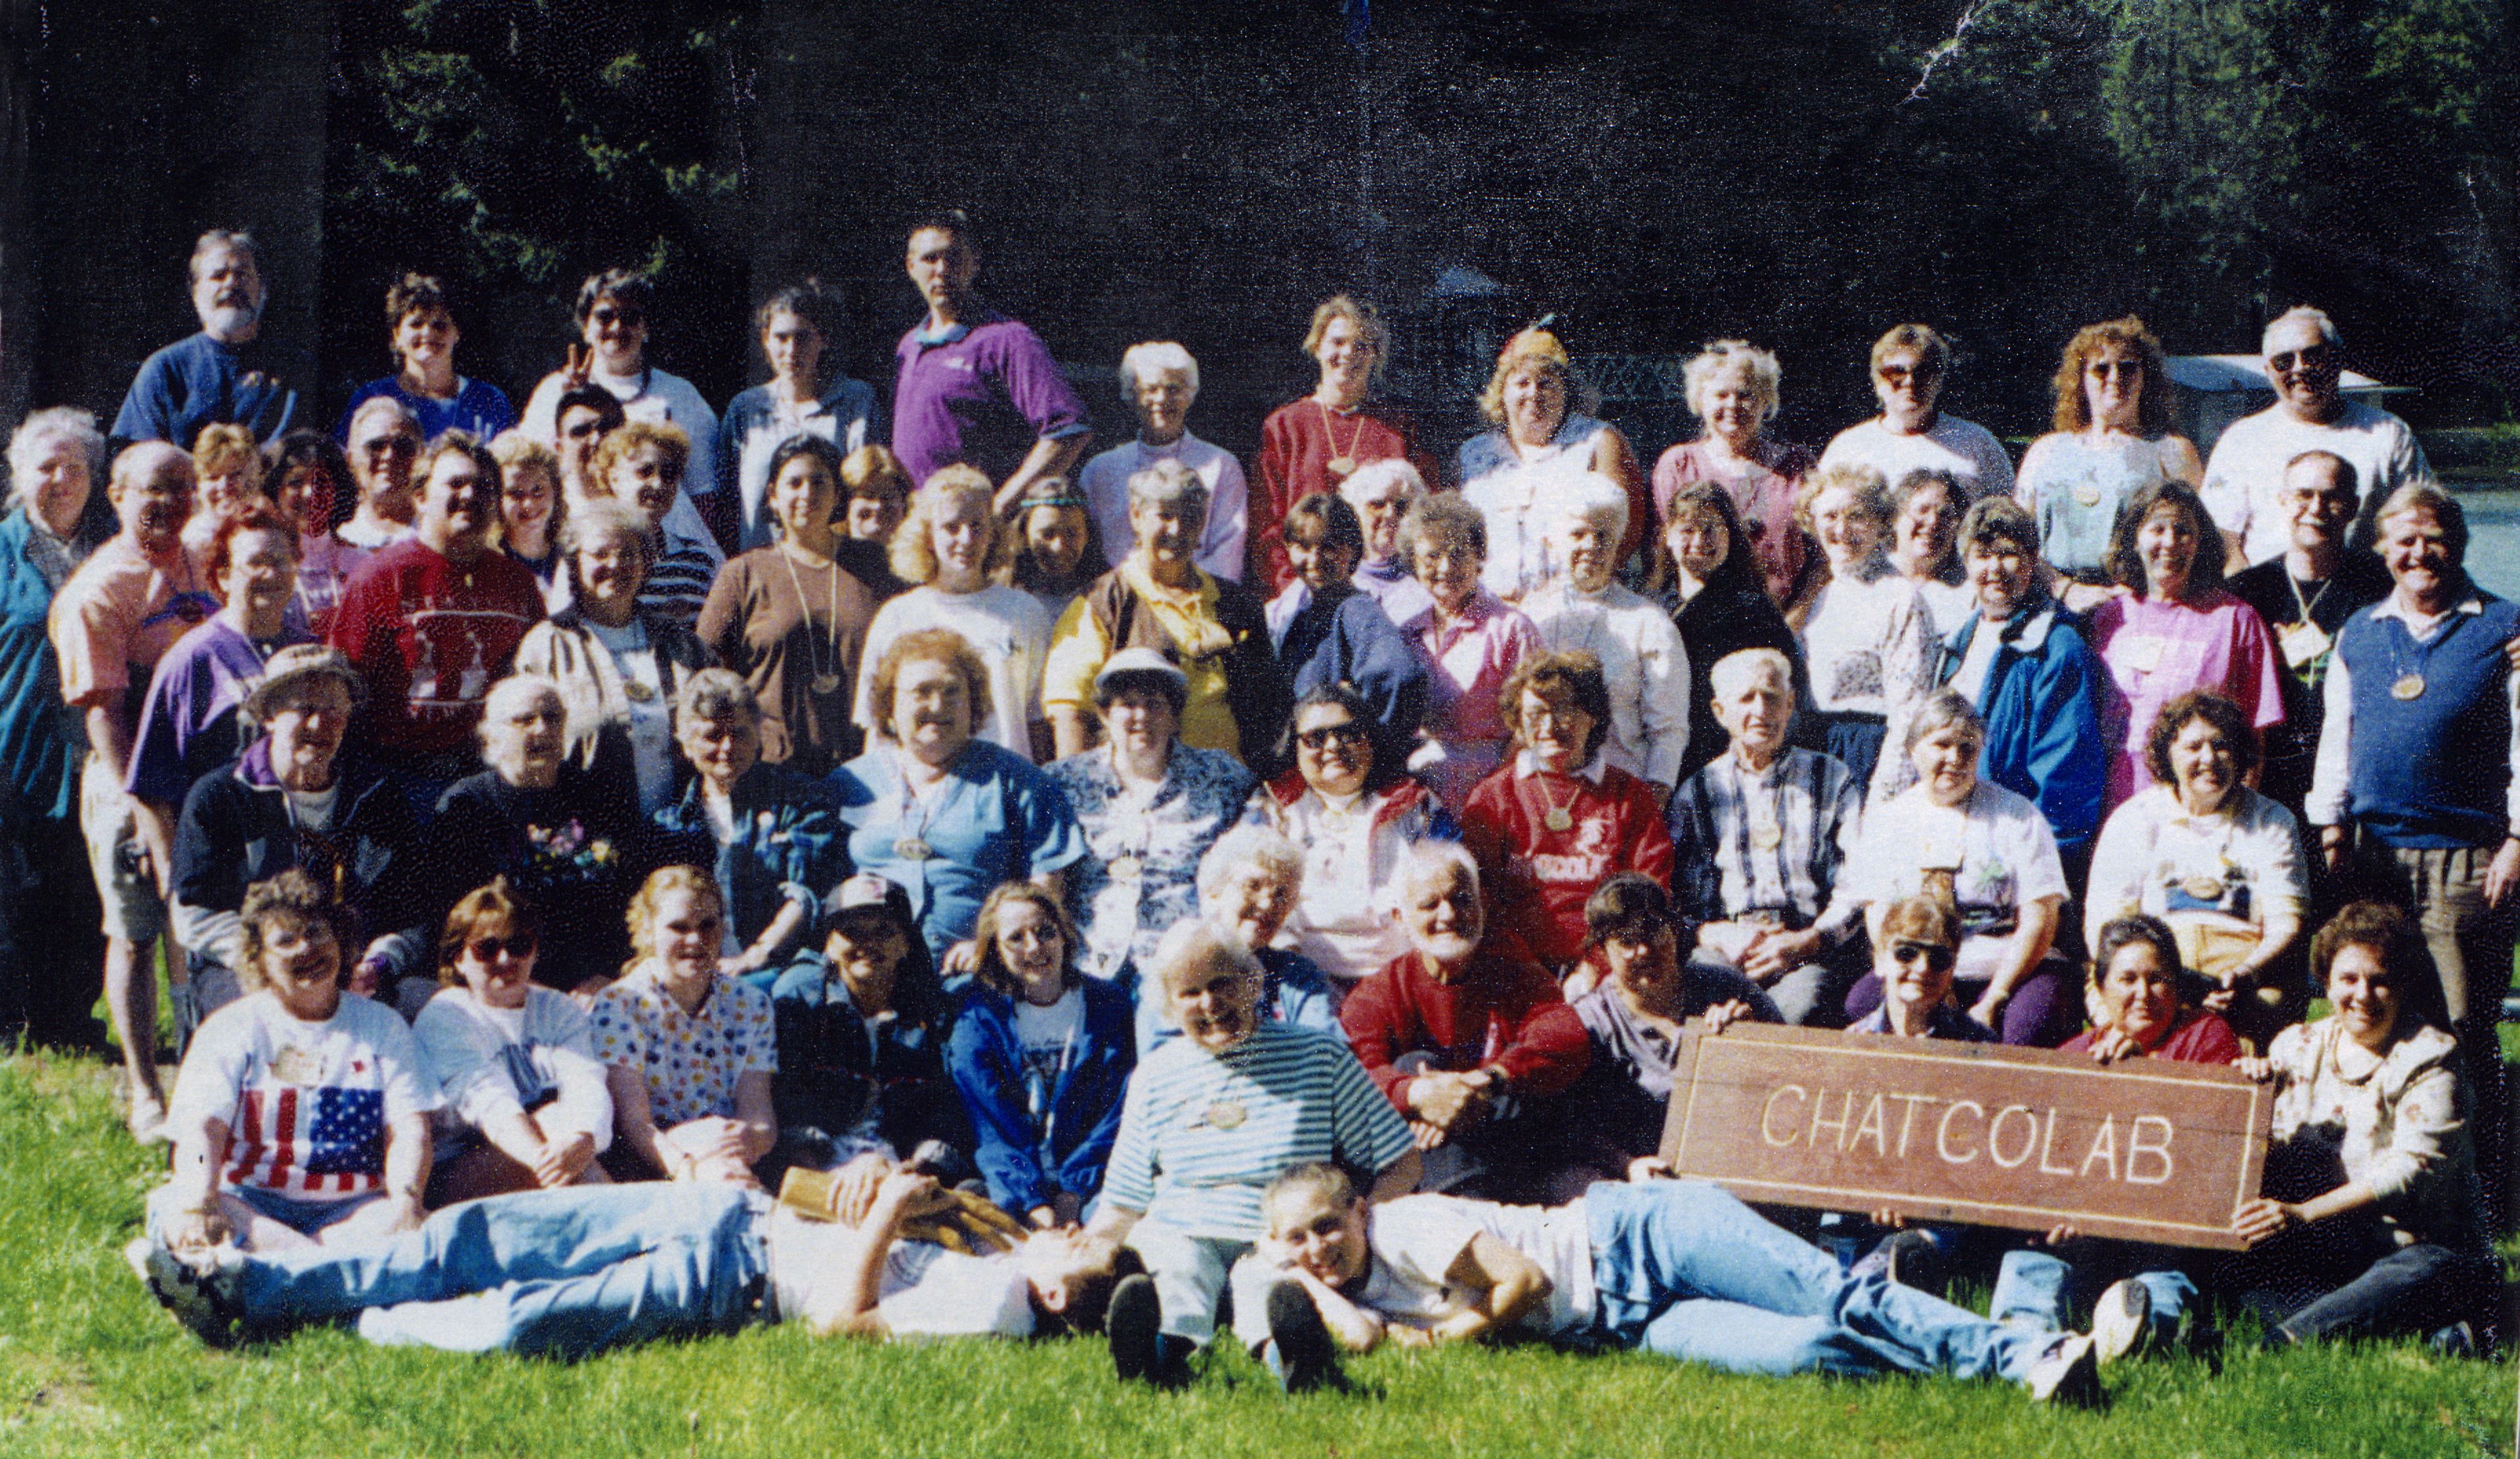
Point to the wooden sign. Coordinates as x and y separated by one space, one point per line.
1938 1131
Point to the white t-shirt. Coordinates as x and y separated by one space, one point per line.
1967 451
2244 477
2153 858
306 1105
1004 625
925 1292
1997 846
654 396
313 809
494 1061
1048 1037
1417 1239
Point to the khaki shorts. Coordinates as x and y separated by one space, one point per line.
110 820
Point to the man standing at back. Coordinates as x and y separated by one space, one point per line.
228 373
2244 478
975 385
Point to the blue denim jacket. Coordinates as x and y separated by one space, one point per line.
788 846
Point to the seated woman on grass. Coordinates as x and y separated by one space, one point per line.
301 1112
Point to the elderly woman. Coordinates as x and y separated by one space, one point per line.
1159 381
1149 808
769 837
1469 640
1868 637
800 330
1539 446
1614 1115
383 447
1211 1119
612 311
690 1051
863 1025
565 841
642 466
55 521
793 617
1381 493
1248 883
1057 557
297 801
1925 511
309 480
943 814
2113 439
1041 1054
1760 840
532 512
2022 663
2218 862
527 1105
1718 605
421 330
955 553
1353 815
227 471
1316 443
1909 365
1732 388
2371 1187
1467 1045
1326 630
1643 658
1990 855
1158 598
255 1162
2175 629
1550 828
620 669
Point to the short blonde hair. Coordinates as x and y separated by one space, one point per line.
1871 494
222 447
1933 351
1531 350
661 883
673 451
914 549
1757 366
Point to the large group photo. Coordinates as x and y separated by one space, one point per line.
936 833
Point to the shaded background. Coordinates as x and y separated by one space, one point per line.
1658 173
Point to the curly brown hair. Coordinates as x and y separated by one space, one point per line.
932 644
2215 711
293 896
1576 674
2152 405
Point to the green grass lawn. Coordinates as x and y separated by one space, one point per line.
89 1365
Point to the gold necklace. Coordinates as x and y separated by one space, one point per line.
1341 462
826 679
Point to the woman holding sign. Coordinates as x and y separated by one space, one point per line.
2371 1093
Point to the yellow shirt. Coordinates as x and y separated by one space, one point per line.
1080 646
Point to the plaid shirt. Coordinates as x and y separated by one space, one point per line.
1723 875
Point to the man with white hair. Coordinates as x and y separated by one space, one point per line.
1160 382
1383 492
385 446
1583 609
226 373
2304 358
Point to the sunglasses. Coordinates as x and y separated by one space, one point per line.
1937 959
2300 359
492 950
1896 373
2106 369
627 318
392 445
1324 736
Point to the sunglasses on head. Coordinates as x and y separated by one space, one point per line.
491 949
1938 959
1322 736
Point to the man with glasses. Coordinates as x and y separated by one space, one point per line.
228 373
385 445
114 620
975 385
1908 367
2245 480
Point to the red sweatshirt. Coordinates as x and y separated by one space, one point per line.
1538 880
431 638
1498 1012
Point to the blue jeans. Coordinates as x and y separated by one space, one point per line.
2033 1287
1685 1269
561 1273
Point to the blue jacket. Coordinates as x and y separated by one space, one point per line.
787 845
1356 644
1027 1165
38 740
2043 719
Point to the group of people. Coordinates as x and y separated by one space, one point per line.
1291 885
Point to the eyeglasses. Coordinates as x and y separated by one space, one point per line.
2104 369
492 950
390 445
1935 958
608 314
2300 359
1322 736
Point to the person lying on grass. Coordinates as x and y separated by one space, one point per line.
571 1272
1676 1267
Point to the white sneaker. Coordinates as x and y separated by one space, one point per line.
2068 1373
2122 1321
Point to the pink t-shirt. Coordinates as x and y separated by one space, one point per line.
2157 650
119 615
1470 660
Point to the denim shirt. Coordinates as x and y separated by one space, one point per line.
787 845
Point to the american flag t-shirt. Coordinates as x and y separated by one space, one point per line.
319 1141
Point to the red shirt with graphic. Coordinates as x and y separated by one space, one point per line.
431 636
1545 842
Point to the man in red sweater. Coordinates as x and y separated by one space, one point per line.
433 621
1467 1045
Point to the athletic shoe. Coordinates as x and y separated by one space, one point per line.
1911 1260
1307 1359
1133 1323
192 1288
2122 1321
2067 1374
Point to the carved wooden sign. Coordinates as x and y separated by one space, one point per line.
1938 1131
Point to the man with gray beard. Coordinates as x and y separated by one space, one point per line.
226 373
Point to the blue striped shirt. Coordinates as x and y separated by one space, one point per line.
1202 1134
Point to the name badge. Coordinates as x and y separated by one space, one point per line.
296 1066
2302 643
2142 652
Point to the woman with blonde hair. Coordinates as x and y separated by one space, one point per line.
1909 365
958 554
1541 446
643 465
2113 439
1868 637
532 511
1316 443
227 467
1732 387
